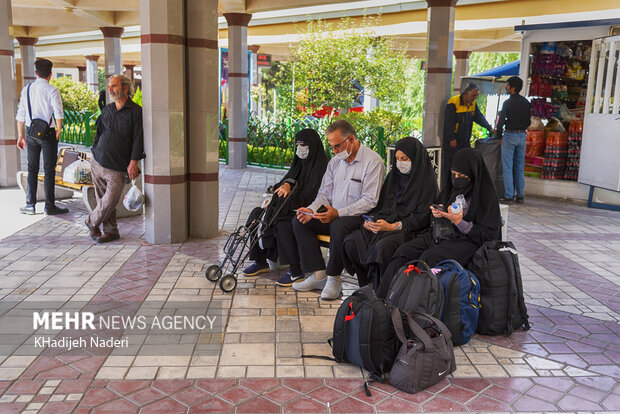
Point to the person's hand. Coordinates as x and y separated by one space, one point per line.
436 212
21 143
453 143
132 169
284 190
369 225
493 131
454 218
382 225
304 218
58 131
327 216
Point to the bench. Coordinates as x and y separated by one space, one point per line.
65 190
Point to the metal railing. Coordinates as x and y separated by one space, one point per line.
78 128
272 144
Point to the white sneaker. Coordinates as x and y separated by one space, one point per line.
309 283
332 288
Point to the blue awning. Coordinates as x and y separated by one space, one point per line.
509 69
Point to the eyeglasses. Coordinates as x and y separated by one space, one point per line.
337 146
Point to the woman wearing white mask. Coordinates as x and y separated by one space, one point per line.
304 177
402 211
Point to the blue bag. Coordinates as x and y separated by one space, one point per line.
461 300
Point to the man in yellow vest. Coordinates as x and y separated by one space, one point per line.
461 113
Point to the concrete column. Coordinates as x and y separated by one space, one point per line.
27 54
82 73
164 119
112 51
461 69
9 154
129 71
439 48
238 89
202 82
92 74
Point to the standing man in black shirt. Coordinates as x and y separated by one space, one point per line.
515 117
117 149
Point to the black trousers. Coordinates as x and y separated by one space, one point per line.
310 249
424 248
279 241
366 254
50 154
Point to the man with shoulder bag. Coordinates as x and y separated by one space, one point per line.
39 105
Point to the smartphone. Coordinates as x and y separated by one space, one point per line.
366 217
303 212
438 207
322 209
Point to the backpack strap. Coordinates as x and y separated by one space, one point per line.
345 311
365 314
519 286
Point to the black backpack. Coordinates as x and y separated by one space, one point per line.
363 333
502 308
415 288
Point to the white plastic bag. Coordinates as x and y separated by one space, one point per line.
134 199
77 172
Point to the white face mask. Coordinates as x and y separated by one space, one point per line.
404 166
303 151
344 154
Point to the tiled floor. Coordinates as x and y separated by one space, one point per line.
568 361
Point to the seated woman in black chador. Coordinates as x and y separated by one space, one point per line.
478 222
401 212
301 182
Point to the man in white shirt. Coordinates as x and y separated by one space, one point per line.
350 188
44 102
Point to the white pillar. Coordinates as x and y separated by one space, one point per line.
27 54
164 119
92 73
238 89
112 51
202 117
461 68
9 154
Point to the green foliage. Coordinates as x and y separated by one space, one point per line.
75 95
101 78
137 96
330 58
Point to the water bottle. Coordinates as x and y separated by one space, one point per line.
459 204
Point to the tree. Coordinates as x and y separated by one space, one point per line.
75 95
332 61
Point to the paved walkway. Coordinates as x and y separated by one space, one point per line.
568 361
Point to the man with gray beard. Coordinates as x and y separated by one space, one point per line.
116 151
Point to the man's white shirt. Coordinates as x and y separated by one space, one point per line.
44 99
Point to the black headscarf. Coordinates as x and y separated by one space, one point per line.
405 194
483 209
308 172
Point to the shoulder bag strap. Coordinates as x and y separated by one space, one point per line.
442 327
419 332
398 325
28 96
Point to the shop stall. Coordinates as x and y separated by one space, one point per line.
571 76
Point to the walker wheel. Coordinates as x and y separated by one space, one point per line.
213 273
228 283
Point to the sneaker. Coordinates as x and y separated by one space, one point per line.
288 279
332 288
256 269
505 200
28 209
310 283
519 200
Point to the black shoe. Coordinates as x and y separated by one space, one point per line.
55 210
95 233
505 200
519 200
27 210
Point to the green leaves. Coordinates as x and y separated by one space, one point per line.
75 95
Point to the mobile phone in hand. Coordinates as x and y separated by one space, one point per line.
366 217
303 212
438 207
322 209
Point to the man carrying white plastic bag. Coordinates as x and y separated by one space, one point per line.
117 149
134 199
